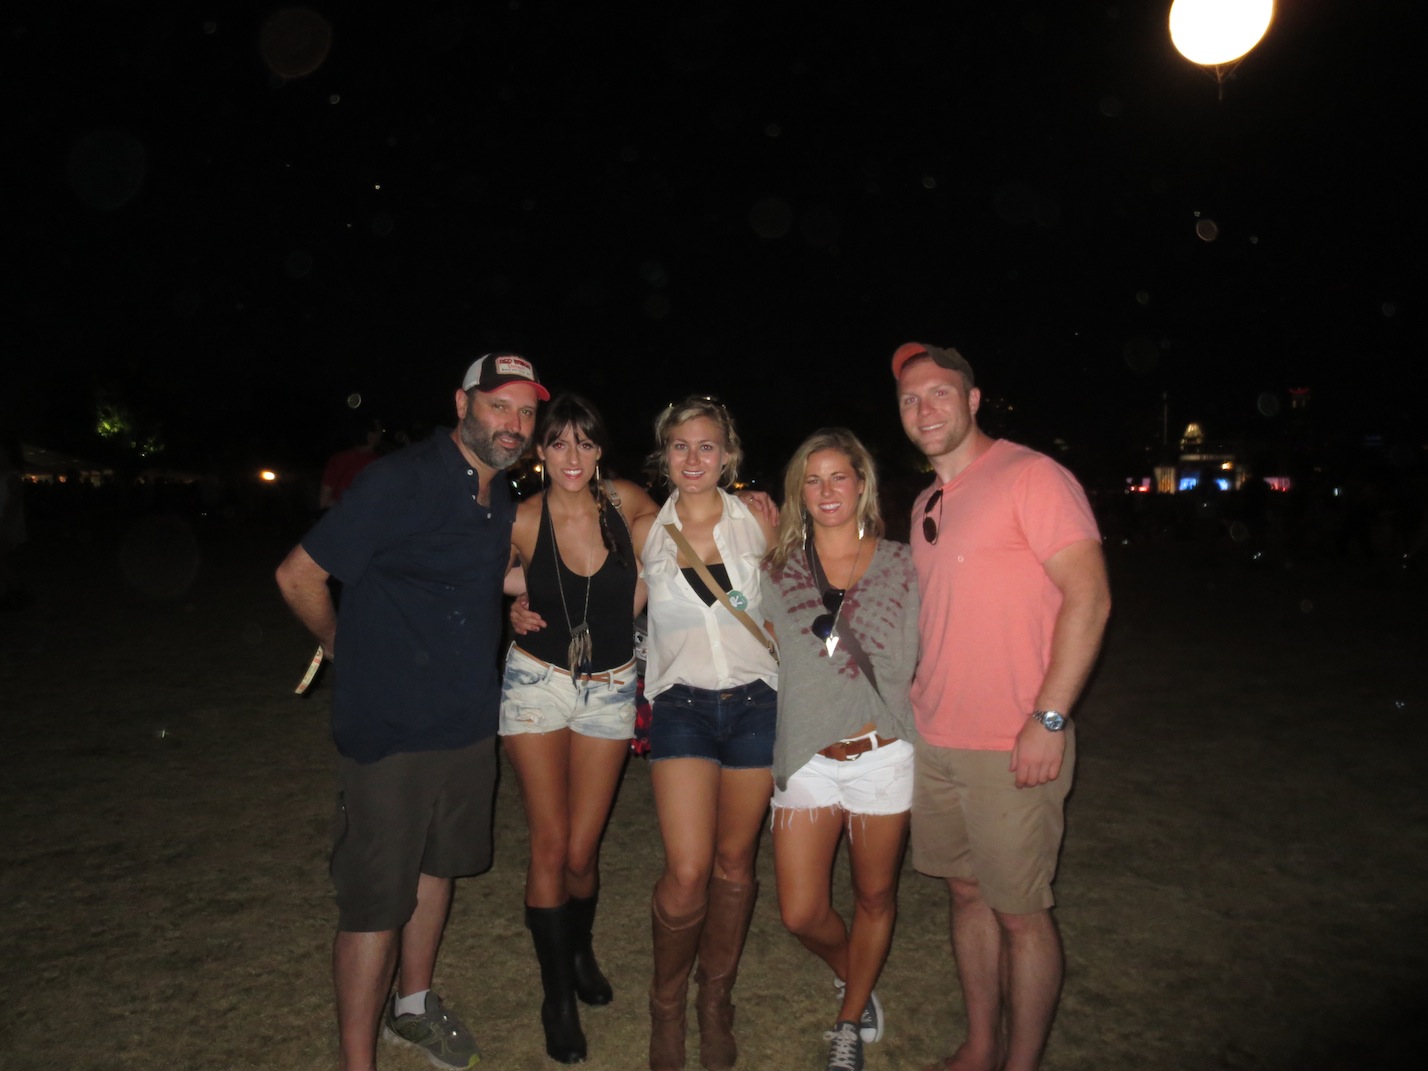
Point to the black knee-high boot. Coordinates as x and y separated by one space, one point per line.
591 985
559 1014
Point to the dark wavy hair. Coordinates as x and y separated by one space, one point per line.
570 410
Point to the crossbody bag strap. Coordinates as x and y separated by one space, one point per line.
718 591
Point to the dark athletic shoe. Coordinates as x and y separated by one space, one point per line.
845 1047
870 1023
443 1037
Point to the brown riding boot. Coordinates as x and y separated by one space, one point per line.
725 926
676 941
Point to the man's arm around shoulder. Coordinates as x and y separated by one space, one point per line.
1079 573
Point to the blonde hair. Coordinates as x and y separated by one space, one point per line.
692 408
793 518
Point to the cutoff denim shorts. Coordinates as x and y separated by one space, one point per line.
731 726
876 782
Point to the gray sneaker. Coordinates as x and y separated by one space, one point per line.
845 1047
436 1031
870 1023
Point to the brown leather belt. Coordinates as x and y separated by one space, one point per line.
608 677
846 750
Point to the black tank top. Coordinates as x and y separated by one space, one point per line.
612 600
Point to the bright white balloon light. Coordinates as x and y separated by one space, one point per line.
1214 32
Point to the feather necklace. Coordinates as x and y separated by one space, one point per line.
579 656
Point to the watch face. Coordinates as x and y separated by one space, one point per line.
1051 720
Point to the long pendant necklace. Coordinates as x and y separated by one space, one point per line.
579 655
820 578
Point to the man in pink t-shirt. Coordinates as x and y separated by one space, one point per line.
1014 603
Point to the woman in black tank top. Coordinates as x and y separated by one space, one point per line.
567 706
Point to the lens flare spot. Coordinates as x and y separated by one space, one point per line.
294 42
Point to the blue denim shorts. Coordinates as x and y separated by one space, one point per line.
732 726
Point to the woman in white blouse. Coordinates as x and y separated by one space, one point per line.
712 679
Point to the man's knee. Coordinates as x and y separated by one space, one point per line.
965 892
1031 924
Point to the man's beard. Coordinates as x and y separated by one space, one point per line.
481 441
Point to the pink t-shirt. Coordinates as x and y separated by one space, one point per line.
988 607
343 467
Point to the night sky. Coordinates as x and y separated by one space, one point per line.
758 201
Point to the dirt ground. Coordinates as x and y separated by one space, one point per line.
1242 884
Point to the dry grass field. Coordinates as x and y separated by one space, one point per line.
1242 884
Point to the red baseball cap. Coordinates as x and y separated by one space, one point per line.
944 356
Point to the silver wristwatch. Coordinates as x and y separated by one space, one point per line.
1052 720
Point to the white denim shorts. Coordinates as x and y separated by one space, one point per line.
876 782
540 698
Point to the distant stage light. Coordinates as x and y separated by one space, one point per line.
268 476
1216 32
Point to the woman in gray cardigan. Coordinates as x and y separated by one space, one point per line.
843 603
